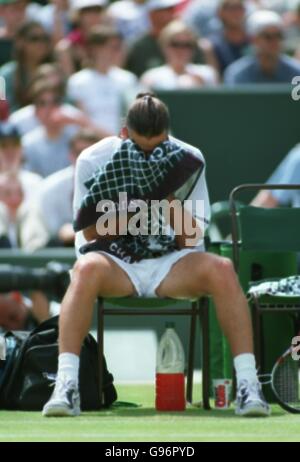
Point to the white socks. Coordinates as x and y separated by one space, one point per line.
68 367
245 368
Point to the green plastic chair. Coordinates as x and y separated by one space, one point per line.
269 230
139 306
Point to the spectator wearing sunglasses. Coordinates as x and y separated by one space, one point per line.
46 148
72 51
12 13
55 18
267 64
32 48
145 53
25 119
179 44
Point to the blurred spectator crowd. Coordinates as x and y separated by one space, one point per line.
70 68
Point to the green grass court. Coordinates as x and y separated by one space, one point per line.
145 424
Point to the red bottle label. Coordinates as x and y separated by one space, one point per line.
220 396
4 109
170 394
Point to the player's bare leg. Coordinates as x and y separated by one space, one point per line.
93 275
202 273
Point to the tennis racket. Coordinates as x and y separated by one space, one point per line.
284 379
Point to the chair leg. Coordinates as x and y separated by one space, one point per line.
100 335
204 321
191 359
257 331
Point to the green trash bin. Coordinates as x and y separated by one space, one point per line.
278 329
217 339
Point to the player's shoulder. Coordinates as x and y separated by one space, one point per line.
188 147
100 152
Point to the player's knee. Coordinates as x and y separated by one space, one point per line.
222 274
225 270
225 266
86 270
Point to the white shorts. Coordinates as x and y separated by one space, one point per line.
146 275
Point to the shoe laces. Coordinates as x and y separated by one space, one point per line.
64 384
252 389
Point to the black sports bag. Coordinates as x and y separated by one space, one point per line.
29 372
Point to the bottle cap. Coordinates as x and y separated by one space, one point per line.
170 325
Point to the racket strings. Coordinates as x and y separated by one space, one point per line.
286 382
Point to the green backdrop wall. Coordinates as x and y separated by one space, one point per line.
243 133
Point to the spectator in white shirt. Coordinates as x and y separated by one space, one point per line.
18 215
71 51
179 44
11 196
46 148
57 214
11 160
103 90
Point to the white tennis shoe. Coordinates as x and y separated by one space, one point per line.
250 400
64 401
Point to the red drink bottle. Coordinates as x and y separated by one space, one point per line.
170 393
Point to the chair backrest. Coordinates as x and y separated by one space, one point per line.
264 229
269 229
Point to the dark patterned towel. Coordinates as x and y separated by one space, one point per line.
153 177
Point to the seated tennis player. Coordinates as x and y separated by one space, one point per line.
129 246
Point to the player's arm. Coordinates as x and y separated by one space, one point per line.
188 232
90 233
116 225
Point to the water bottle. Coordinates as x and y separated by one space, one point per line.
2 348
170 394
